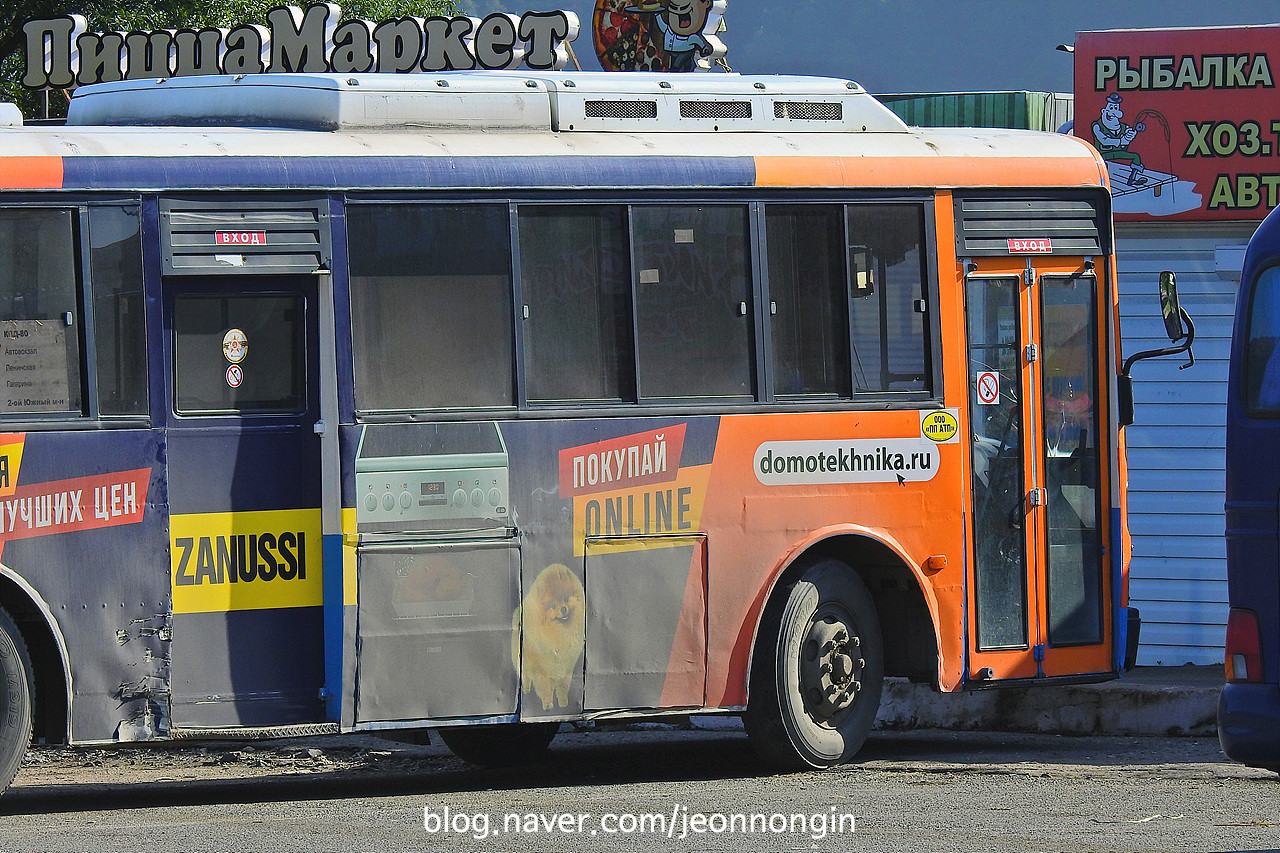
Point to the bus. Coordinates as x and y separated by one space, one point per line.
480 402
1249 708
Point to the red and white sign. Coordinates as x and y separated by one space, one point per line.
622 463
1030 246
235 376
240 238
1185 119
988 384
84 503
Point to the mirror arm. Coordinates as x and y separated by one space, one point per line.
1191 337
1185 346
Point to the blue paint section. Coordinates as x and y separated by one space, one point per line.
1248 717
1249 713
331 551
134 173
158 334
247 668
342 306
1119 613
107 586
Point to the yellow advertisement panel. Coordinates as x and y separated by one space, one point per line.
225 561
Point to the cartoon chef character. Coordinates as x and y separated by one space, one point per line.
682 23
1112 137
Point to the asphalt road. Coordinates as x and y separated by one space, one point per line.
643 791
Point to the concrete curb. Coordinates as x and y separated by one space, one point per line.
1147 702
1114 708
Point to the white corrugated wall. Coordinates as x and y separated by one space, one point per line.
1177 578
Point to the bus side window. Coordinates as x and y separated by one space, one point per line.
274 375
693 301
890 349
39 314
431 306
575 280
809 307
120 344
1262 347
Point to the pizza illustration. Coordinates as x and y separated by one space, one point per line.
625 36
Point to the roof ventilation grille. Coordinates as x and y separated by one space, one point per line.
809 110
715 109
621 109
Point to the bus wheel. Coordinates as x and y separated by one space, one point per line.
15 700
815 686
501 744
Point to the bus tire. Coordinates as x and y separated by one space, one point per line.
16 695
501 744
818 671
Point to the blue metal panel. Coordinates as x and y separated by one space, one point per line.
1175 448
133 173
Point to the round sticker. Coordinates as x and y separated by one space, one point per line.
235 376
940 426
235 346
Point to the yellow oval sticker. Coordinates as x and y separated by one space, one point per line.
939 426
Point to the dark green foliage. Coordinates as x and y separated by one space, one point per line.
104 15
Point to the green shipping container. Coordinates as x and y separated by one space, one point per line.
1025 110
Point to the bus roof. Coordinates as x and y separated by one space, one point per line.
517 130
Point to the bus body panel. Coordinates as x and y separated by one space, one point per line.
84 515
686 522
280 159
586 491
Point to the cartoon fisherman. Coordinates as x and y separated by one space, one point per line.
681 23
1112 138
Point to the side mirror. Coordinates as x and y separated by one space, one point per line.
1179 326
1170 308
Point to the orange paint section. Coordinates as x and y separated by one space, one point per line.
686 682
949 585
11 445
30 173
927 172
757 529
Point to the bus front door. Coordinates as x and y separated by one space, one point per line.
1038 588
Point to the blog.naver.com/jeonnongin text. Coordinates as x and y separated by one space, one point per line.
678 823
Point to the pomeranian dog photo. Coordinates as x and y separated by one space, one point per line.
554 631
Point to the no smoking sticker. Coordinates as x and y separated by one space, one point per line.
988 384
235 376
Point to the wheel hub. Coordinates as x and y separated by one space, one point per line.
830 666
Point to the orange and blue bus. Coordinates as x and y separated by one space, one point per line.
1249 709
483 402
